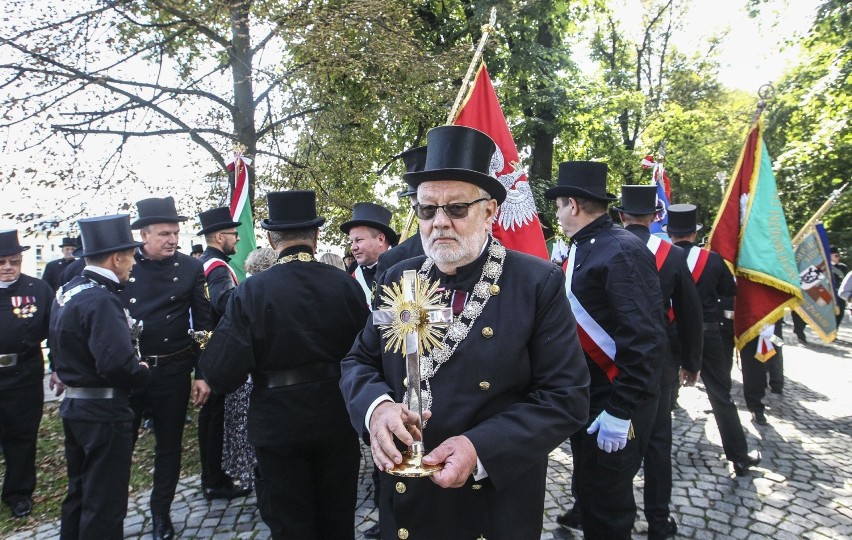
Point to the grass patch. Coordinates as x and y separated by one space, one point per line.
51 478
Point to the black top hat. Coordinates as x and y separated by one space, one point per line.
292 210
78 247
371 215
106 234
196 248
156 210
9 244
682 219
216 220
584 179
638 200
415 160
68 241
833 249
459 153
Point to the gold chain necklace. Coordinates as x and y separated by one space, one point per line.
301 257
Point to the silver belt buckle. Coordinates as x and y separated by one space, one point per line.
8 360
728 313
89 393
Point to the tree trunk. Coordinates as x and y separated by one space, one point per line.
241 68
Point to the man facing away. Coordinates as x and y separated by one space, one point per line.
683 359
714 281
165 292
90 333
290 326
615 295
507 384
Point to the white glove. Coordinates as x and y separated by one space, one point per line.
612 432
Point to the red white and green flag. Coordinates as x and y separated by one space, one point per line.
241 211
750 233
517 225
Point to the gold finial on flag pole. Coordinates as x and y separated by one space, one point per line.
766 93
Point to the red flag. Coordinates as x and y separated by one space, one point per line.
750 233
517 225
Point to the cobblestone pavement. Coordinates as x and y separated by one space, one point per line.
802 489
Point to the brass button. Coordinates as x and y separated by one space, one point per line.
168 316
132 300
175 279
166 340
172 298
177 264
132 280
405 382
400 487
485 385
487 332
476 486
495 289
402 534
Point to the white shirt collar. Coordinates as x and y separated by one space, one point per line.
109 274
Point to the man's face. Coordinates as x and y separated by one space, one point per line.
161 240
454 242
228 238
365 246
67 252
348 260
124 262
567 215
835 258
10 267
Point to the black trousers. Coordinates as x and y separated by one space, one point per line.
309 488
604 482
716 376
658 454
756 373
166 398
98 457
20 415
211 438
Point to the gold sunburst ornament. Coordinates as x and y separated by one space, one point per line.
412 317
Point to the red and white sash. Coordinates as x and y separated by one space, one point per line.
696 260
596 343
211 264
660 248
358 274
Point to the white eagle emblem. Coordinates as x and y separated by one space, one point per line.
518 209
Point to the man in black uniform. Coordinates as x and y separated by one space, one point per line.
197 251
90 333
714 281
53 270
24 322
220 233
290 326
683 359
412 246
166 285
370 235
507 384
615 296
75 268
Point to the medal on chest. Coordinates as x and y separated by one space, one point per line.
24 307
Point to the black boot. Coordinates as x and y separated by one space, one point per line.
163 529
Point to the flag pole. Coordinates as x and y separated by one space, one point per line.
826 206
487 29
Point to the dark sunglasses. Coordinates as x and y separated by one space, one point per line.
452 210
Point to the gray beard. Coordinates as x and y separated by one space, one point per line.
465 252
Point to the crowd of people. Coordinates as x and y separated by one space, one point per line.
291 368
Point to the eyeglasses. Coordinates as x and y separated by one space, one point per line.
11 262
451 210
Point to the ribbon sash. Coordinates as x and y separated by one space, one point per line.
696 261
211 264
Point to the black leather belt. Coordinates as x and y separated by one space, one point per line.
711 326
91 393
316 371
163 359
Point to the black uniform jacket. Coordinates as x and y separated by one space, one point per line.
72 270
679 292
516 386
288 316
411 247
22 334
163 294
715 282
90 336
53 272
220 281
615 280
